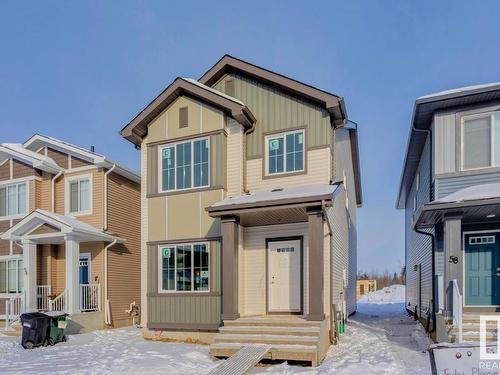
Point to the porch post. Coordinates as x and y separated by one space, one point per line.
453 257
316 241
230 268
72 255
29 274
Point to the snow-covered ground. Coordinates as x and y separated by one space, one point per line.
380 339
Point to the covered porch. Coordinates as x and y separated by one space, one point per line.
62 264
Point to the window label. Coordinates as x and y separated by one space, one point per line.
166 153
166 252
274 144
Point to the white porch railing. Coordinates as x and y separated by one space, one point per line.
14 307
90 297
43 293
58 303
457 309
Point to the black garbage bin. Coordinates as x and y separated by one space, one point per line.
36 328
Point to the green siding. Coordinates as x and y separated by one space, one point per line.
195 309
276 110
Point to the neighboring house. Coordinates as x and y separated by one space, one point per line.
70 233
450 190
365 286
250 184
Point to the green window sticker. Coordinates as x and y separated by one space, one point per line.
166 252
166 153
274 144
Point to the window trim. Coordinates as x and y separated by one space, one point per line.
174 144
7 259
283 134
160 268
463 118
67 197
6 184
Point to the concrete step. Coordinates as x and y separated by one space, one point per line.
472 337
277 351
271 330
276 322
266 339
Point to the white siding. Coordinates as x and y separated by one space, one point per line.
253 264
444 143
318 172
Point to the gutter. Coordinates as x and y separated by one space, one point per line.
107 311
106 195
52 185
245 133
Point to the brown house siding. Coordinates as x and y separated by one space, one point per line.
20 170
59 157
76 162
4 245
124 209
5 171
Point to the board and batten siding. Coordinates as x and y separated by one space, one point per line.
444 132
418 246
276 110
194 311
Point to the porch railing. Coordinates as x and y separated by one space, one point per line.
58 303
90 297
43 293
14 307
457 309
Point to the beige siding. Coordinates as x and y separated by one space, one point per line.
318 172
234 159
276 110
144 231
201 119
124 205
253 299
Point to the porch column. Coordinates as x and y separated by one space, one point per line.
316 241
72 255
230 268
453 259
29 275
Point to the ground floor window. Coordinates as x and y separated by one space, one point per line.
184 267
11 276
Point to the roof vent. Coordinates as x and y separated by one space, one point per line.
92 149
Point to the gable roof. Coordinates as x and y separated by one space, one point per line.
334 104
37 141
137 129
19 152
423 112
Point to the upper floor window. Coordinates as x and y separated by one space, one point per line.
79 195
185 165
13 199
481 141
285 152
184 268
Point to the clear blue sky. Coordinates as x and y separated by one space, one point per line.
81 70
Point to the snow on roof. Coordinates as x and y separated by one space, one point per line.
208 88
461 90
30 155
278 194
484 191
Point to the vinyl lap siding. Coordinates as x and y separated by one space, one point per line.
418 246
447 185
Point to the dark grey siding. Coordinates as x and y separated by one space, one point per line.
197 311
449 185
275 110
418 246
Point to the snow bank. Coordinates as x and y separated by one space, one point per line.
390 294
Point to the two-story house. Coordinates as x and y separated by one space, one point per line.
450 191
70 234
250 184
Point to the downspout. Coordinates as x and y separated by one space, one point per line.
107 312
52 185
245 133
433 237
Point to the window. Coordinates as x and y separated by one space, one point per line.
481 141
184 268
183 117
13 199
185 165
482 240
79 195
285 152
11 276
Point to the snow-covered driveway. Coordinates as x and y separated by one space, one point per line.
380 339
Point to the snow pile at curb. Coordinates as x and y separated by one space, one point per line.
389 294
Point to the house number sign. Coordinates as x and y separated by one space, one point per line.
166 252
453 259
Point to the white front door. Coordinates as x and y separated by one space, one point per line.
284 276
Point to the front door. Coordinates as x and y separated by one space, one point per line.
84 269
284 276
482 270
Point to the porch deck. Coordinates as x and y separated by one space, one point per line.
289 337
